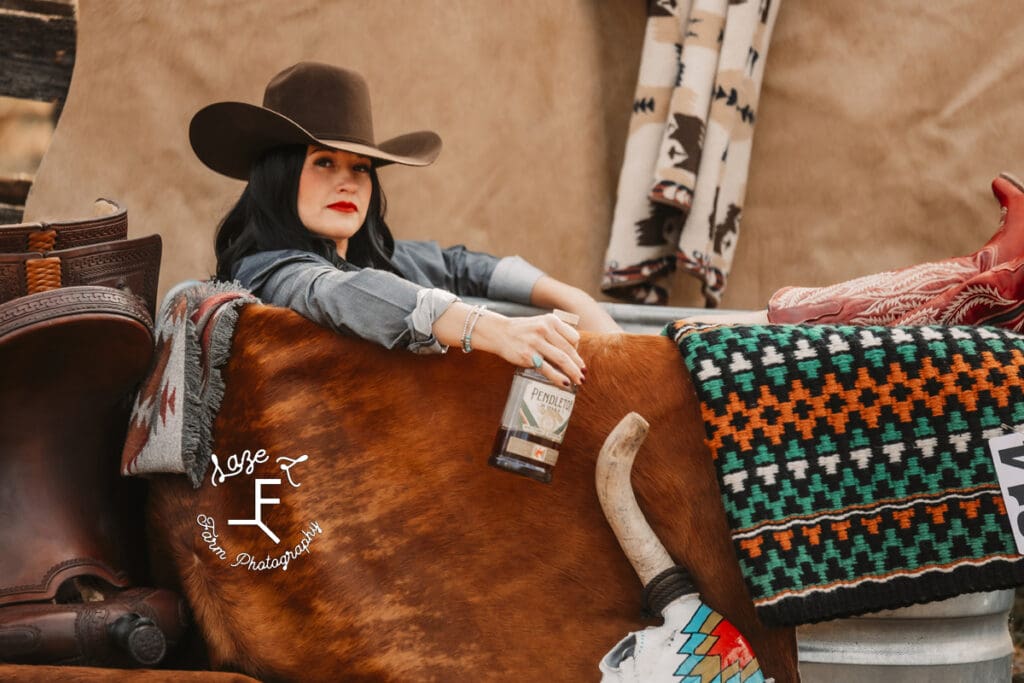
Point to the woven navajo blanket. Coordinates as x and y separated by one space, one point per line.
171 426
853 461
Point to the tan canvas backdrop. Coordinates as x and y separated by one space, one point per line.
881 125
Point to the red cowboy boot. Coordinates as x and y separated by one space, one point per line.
994 297
882 298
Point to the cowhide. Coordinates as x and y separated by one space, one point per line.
428 564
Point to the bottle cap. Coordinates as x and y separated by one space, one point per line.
567 317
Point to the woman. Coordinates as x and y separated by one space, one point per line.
308 232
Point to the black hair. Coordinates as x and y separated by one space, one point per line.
266 218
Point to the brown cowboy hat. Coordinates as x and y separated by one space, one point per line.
306 104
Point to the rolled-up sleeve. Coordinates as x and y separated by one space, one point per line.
372 304
465 272
513 280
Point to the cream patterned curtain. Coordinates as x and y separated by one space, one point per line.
684 173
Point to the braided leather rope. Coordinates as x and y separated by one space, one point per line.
42 241
42 274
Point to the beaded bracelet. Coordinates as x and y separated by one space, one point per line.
467 329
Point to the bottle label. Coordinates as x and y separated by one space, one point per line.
531 451
538 408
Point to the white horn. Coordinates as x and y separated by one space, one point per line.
615 491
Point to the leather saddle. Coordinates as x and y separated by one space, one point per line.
130 265
76 338
109 225
69 358
37 257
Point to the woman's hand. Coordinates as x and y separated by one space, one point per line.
523 341
520 341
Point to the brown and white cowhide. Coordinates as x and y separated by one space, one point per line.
414 560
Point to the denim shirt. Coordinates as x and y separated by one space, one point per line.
393 311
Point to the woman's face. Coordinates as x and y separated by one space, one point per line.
334 194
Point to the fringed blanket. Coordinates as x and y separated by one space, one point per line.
172 418
853 461
684 172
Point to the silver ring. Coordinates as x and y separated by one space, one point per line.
538 360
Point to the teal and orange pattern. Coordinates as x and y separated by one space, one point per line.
853 461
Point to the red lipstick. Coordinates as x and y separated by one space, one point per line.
344 207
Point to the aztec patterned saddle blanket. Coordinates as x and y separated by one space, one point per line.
853 461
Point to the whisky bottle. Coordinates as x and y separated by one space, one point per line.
534 421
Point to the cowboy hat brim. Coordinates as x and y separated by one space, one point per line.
229 136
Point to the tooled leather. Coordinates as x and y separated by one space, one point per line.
12 278
79 633
110 332
104 274
36 308
129 264
57 574
91 632
134 264
70 234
